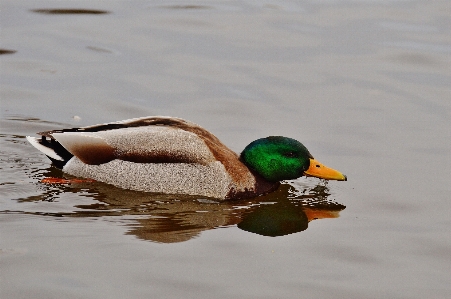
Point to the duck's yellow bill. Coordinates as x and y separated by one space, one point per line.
321 171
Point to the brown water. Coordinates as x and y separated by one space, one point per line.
365 85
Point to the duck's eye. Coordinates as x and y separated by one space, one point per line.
290 155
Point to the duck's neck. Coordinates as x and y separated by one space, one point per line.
260 187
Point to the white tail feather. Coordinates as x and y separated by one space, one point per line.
46 150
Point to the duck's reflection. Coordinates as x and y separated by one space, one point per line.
169 218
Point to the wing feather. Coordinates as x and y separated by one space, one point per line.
90 149
143 144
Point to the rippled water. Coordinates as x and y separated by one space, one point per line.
365 85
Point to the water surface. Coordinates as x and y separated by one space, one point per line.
363 84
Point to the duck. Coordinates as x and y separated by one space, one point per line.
170 155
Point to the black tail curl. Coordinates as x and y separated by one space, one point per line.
58 149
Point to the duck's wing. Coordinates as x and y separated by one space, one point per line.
145 144
128 123
142 140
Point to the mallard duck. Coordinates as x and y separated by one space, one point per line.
174 156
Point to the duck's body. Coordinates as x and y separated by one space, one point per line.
157 154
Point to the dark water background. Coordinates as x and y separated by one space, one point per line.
365 85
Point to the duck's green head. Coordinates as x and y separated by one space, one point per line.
278 158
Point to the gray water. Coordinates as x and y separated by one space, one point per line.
365 85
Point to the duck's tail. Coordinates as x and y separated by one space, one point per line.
52 149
